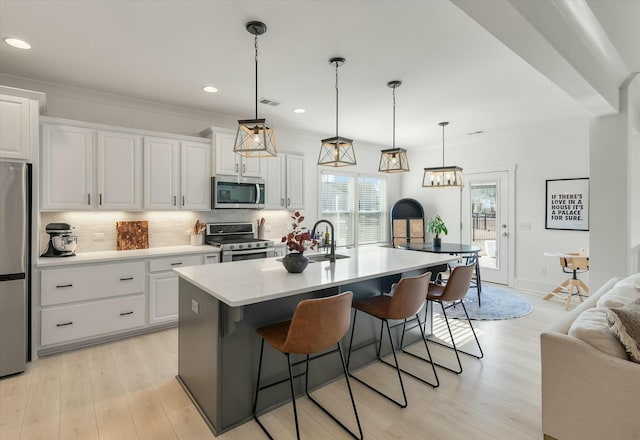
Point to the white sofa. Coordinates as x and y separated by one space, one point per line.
586 392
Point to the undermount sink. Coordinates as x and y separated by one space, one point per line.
325 257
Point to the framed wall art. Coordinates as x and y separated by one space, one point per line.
567 204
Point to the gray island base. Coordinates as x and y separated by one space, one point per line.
220 306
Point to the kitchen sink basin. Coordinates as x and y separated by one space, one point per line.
325 257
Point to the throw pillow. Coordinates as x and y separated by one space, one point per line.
625 322
593 328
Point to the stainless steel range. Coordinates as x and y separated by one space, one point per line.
237 242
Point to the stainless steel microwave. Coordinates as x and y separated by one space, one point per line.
234 192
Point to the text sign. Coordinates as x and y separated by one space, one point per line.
568 204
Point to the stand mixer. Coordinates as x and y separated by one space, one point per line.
61 242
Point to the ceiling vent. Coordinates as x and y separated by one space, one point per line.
269 102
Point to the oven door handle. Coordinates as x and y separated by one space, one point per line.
251 251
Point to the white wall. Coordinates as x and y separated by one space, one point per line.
553 151
172 228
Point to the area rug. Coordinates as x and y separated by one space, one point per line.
496 304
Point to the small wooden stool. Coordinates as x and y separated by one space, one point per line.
317 325
572 263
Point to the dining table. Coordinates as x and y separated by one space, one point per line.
467 251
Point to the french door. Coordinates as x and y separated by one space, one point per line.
486 208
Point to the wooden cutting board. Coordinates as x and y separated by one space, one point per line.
132 235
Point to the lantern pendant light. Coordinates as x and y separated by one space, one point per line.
394 160
443 177
254 137
337 151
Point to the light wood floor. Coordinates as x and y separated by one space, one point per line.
127 390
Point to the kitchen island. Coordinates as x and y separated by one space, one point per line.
221 305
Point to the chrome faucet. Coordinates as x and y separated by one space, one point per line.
332 255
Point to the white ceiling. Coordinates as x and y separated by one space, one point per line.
164 51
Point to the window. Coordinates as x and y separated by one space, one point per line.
347 200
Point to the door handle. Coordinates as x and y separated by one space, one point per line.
126 279
505 234
60 286
176 264
174 200
288 201
236 168
182 200
100 198
88 198
64 324
244 168
282 201
257 192
126 313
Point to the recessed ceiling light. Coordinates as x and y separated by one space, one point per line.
209 89
299 110
17 43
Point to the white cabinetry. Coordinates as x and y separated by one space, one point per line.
77 176
229 163
119 165
163 286
284 182
96 311
176 174
211 258
19 112
67 173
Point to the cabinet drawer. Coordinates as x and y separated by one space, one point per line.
162 264
66 323
60 286
211 258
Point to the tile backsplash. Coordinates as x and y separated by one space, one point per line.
96 231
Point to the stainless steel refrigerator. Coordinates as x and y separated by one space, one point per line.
15 263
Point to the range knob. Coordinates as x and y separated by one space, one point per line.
231 246
240 246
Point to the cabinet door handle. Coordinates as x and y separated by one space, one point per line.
182 200
176 264
60 286
236 168
126 279
126 313
282 201
174 200
288 201
100 198
64 324
211 256
89 199
244 168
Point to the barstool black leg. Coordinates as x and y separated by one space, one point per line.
255 402
293 395
428 360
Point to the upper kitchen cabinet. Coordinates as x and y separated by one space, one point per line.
284 188
226 161
19 112
78 176
176 174
67 168
119 165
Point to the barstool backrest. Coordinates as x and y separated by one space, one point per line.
458 283
409 296
318 324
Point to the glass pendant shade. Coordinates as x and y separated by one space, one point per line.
337 152
393 160
443 177
255 139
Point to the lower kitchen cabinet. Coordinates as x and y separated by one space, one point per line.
79 321
163 297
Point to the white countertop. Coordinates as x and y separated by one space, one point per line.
105 256
252 281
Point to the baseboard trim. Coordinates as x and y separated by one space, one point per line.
103 339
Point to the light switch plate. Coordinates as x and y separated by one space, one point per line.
195 307
525 226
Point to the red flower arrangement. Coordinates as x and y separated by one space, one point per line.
299 238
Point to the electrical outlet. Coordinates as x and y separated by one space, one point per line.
543 271
98 236
267 228
195 307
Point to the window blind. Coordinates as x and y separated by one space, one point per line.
337 205
372 224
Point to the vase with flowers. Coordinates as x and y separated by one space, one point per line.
297 240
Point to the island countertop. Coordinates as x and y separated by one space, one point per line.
252 281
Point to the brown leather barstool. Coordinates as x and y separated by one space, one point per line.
453 292
407 300
317 325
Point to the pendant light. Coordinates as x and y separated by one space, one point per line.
337 151
443 177
394 160
254 137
